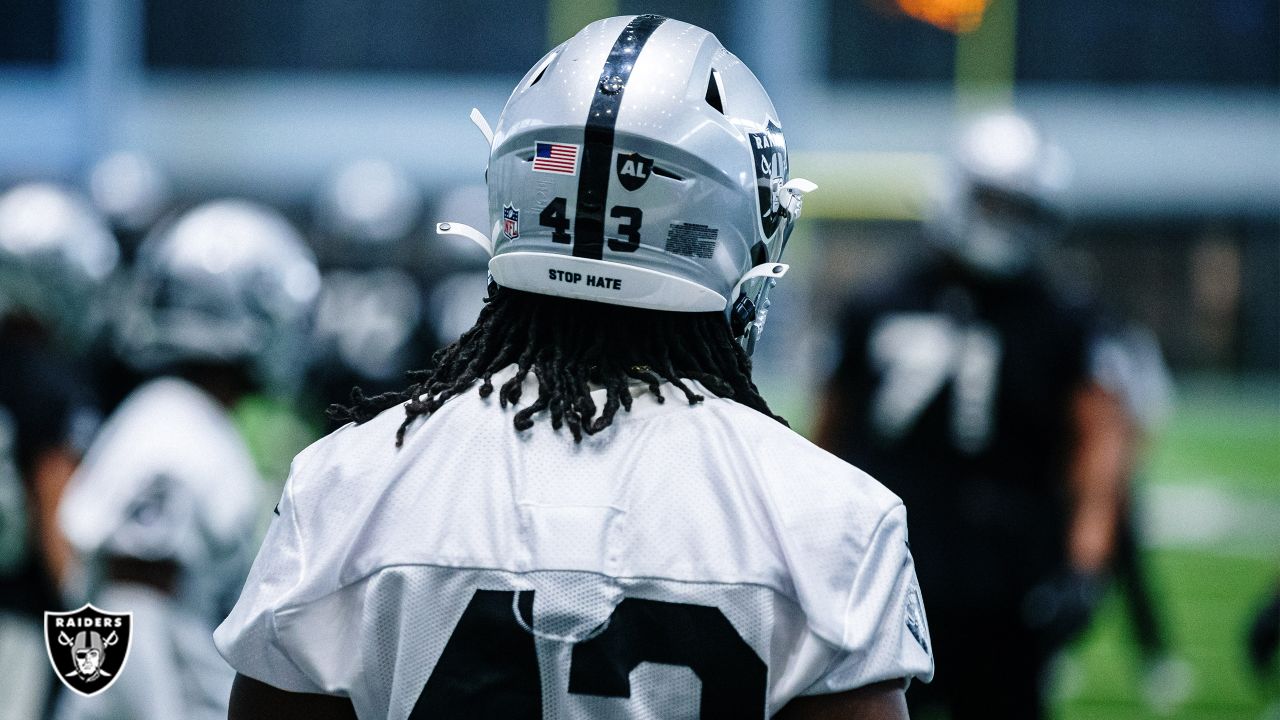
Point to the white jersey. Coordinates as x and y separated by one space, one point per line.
687 562
167 478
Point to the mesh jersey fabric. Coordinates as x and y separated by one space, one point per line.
707 538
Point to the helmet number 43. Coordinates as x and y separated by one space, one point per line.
555 216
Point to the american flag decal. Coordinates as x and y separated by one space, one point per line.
559 158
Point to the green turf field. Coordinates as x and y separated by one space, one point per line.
1223 441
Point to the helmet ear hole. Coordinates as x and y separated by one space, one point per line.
541 70
715 91
538 77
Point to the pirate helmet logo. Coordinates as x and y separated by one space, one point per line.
769 150
87 647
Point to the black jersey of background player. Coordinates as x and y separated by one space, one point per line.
43 406
956 394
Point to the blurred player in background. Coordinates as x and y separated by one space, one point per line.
163 509
55 254
1263 641
1128 361
369 327
967 386
675 553
132 192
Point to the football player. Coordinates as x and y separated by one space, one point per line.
1130 364
586 509
969 387
56 254
132 191
163 508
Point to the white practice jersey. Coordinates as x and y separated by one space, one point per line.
169 477
688 562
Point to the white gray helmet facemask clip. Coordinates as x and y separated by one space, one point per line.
671 192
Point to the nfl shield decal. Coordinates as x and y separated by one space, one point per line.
510 221
88 647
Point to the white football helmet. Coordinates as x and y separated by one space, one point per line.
56 256
641 164
364 207
229 281
1000 199
365 321
130 189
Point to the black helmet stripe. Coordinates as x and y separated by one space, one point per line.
597 144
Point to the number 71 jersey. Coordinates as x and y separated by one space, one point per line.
689 562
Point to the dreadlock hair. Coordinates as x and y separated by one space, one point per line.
570 345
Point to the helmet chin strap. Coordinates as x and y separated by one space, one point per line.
468 232
747 315
769 270
478 118
462 229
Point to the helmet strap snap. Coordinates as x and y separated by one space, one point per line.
742 315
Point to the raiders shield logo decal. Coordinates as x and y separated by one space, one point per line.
88 647
633 170
769 151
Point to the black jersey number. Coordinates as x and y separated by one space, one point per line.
556 216
629 229
489 667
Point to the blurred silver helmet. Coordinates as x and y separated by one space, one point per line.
56 255
641 164
130 189
366 321
229 281
366 202
1000 198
